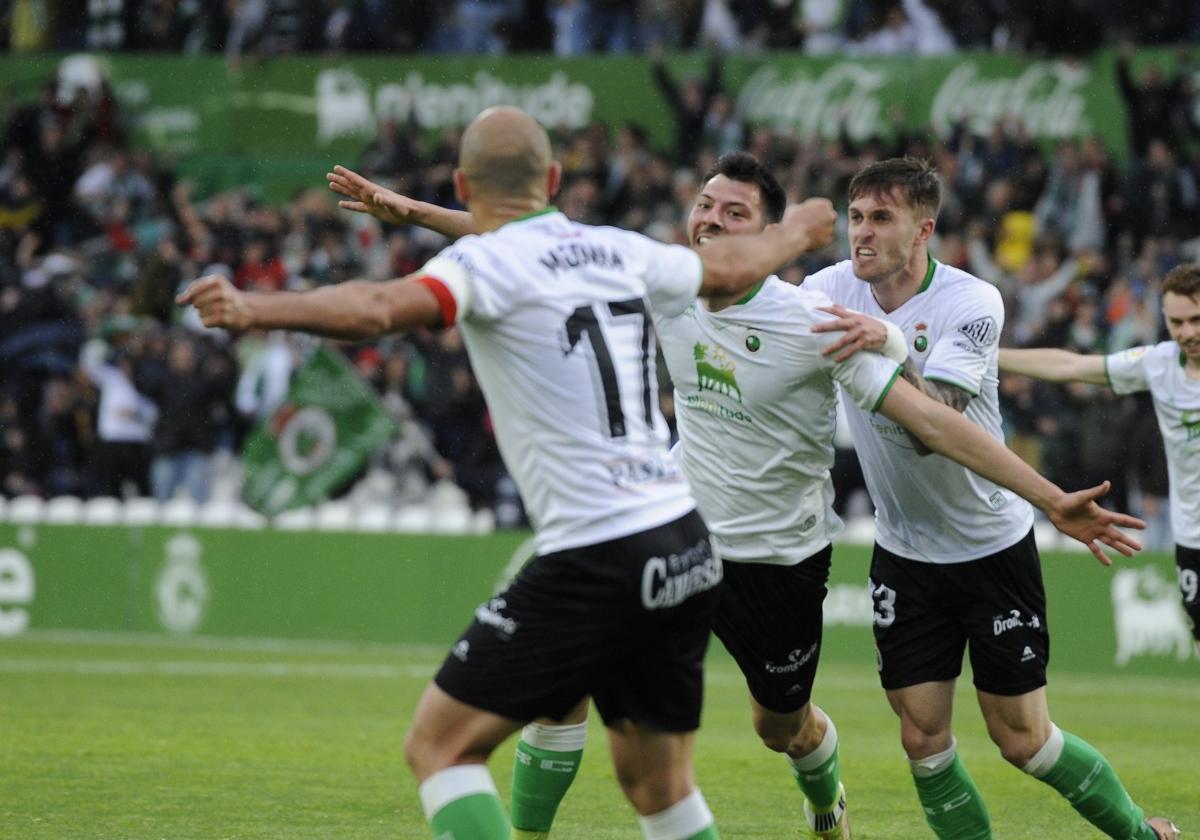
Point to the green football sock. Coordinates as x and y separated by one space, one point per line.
1074 768
461 803
547 760
818 774
953 807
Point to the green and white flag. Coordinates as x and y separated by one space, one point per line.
321 434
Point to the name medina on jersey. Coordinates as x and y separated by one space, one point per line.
669 581
575 254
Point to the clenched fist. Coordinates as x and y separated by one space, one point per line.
219 303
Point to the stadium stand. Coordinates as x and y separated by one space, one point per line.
96 235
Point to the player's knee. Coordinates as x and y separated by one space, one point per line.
426 755
794 734
1017 746
921 742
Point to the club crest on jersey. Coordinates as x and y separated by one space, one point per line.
1190 420
714 371
921 341
981 332
753 343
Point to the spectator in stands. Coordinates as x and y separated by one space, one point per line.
689 102
1154 105
192 392
125 419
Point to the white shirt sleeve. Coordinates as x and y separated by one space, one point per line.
673 277
823 281
1126 371
476 293
866 377
961 355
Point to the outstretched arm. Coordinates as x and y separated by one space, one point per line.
949 433
1055 365
354 310
364 196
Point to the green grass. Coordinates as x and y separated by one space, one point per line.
107 738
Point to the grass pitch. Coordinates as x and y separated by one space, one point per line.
105 737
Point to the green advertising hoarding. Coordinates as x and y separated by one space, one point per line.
282 123
392 588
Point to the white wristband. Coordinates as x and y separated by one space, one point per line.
895 348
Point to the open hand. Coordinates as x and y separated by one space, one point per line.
218 301
1078 516
363 196
860 332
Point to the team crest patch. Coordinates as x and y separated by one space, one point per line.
982 331
753 343
714 371
921 343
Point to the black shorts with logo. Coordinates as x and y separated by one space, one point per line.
926 614
1188 561
769 620
626 621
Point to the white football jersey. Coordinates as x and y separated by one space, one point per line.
755 401
1159 370
928 507
555 321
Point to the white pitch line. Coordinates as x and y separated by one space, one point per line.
116 667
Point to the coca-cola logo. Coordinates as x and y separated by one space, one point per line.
844 96
1046 98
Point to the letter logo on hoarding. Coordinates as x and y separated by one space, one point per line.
343 106
1148 618
181 590
16 587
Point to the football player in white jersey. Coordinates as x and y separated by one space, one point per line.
1170 371
619 602
955 565
754 395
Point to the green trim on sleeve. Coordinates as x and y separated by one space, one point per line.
1108 376
958 385
886 389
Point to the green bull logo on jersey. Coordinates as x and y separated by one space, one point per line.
1191 424
717 374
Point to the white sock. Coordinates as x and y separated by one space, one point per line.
926 767
445 786
1044 759
567 737
823 751
686 817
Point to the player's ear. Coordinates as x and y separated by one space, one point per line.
462 189
924 231
553 179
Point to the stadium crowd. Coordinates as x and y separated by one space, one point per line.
262 28
105 388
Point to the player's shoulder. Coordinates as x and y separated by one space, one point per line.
788 305
1164 354
830 277
957 290
963 283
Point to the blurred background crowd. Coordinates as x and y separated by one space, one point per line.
570 27
106 388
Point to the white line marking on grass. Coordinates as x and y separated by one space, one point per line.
210 669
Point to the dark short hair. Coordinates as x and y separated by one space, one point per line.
745 167
1183 280
916 179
